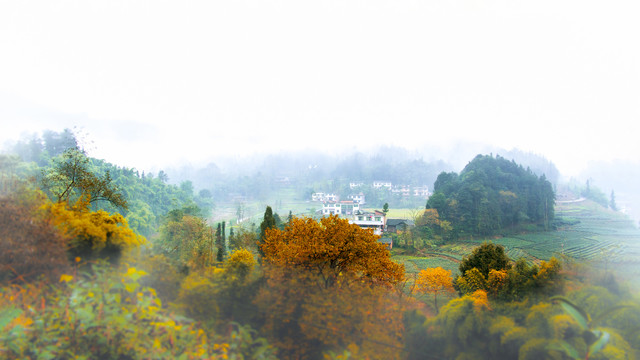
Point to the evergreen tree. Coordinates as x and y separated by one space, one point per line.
219 243
268 222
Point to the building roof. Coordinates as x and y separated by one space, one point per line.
396 222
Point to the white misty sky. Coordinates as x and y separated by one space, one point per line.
155 82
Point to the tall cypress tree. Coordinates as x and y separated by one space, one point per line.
219 243
268 222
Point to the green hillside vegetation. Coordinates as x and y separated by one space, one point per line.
102 262
490 195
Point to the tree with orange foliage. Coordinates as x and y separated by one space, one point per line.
434 281
331 247
327 289
92 233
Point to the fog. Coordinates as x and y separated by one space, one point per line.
168 84
230 100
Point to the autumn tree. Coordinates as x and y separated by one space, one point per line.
93 233
327 287
435 281
331 247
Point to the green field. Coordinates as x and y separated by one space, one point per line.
586 233
413 264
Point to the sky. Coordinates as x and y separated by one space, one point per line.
153 83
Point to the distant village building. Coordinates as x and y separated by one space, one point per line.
421 191
404 190
354 185
346 207
359 198
322 197
382 184
375 220
398 225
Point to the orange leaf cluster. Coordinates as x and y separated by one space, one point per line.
331 248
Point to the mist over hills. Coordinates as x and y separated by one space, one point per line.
357 165
400 165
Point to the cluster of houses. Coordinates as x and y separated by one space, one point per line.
403 190
353 209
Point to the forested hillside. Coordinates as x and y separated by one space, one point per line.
491 194
55 158
99 261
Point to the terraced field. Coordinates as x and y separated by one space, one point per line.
586 233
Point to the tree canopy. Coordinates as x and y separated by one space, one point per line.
70 177
491 194
331 247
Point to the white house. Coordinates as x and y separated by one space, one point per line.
382 184
346 207
421 191
404 190
322 197
359 198
353 185
375 220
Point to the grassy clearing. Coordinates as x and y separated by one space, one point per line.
402 213
413 264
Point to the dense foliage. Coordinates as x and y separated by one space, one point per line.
329 286
107 314
489 269
492 194
332 247
66 173
30 246
323 288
